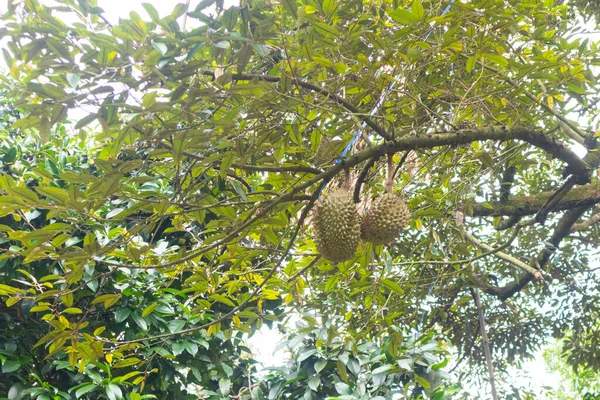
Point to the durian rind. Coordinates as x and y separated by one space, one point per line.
385 220
336 225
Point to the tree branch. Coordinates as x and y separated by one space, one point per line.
506 257
252 168
594 219
405 143
586 195
561 231
324 92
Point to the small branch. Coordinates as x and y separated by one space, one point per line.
303 270
508 177
400 163
238 308
508 223
380 130
361 178
486 343
257 168
554 199
594 219
506 257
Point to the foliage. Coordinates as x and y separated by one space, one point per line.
575 383
157 186
323 366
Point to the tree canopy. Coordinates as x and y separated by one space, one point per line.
159 175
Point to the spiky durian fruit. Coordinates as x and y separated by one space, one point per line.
336 226
384 221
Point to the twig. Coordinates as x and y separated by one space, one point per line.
486 343
506 257
380 130
234 311
303 270
594 219
361 178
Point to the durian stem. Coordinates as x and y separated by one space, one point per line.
390 172
346 184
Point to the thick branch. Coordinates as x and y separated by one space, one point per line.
560 232
508 177
406 143
586 195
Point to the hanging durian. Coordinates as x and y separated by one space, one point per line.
335 224
387 216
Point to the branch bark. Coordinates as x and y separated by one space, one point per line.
535 138
594 219
586 195
561 231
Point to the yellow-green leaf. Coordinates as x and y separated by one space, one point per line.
148 310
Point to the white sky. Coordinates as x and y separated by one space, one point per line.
264 342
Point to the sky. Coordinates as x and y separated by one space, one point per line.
265 341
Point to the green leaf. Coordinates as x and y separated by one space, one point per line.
417 10
319 365
471 62
85 121
314 382
72 310
108 300
191 348
85 389
422 381
10 366
148 310
222 299
290 7
331 282
576 88
176 325
137 318
381 370
341 368
161 47
343 388
403 16
121 314
327 30
73 80
393 286
127 362
113 392
224 386
154 16
496 59
149 100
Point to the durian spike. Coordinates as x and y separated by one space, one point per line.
390 172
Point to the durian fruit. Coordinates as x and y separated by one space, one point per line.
336 226
384 221
387 216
